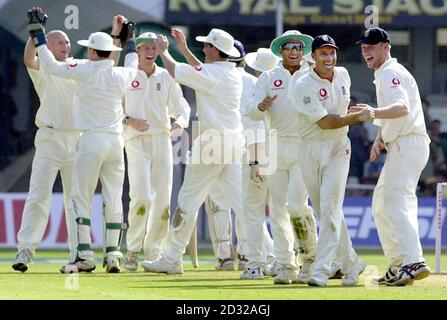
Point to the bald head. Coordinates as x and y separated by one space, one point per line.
59 44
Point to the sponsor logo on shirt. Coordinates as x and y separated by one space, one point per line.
277 84
135 85
198 68
396 82
323 94
343 90
158 86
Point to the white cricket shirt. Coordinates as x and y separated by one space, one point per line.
395 84
56 100
218 87
314 98
282 115
254 131
156 98
99 89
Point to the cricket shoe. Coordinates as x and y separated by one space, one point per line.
317 281
351 278
242 262
23 258
112 264
286 276
252 274
131 261
388 277
224 265
408 273
305 270
80 265
336 271
162 266
272 269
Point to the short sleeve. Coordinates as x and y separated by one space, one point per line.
307 102
198 78
392 88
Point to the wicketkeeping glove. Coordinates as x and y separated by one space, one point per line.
36 26
127 32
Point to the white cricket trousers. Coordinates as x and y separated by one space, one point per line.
289 204
55 151
259 243
325 168
198 180
149 167
394 204
100 156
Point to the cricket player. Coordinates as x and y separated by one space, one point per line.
270 102
322 97
255 188
402 133
217 151
98 114
254 133
151 100
55 144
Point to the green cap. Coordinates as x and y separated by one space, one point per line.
147 37
291 35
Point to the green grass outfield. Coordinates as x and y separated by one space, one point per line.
43 281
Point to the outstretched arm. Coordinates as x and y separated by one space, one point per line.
335 121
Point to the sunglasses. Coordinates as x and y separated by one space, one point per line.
293 45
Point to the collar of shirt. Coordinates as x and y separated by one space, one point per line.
384 65
156 72
226 63
103 63
304 67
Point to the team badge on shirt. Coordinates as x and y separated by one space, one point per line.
306 100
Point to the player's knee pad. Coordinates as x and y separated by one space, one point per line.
181 218
142 208
304 228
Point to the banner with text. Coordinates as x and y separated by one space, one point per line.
408 13
55 236
357 211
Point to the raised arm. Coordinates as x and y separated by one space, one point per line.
29 56
117 26
168 60
37 20
183 47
